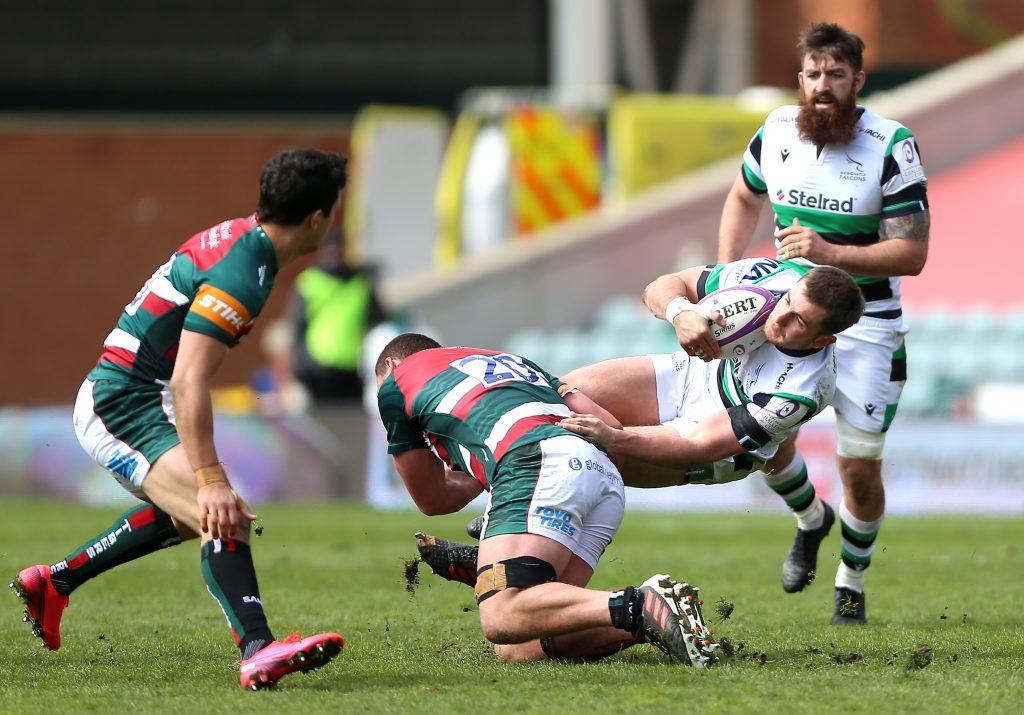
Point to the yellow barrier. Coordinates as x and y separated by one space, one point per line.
556 168
448 197
654 138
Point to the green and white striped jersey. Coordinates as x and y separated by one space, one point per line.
800 383
841 191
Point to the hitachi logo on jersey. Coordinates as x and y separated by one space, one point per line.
874 133
222 309
820 201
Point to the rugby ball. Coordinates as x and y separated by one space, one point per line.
745 309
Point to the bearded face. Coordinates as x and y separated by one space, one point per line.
828 102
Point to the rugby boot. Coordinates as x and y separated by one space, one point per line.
672 621
802 561
448 559
475 527
851 608
279 658
43 605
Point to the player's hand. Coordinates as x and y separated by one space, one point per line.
222 510
592 428
694 334
799 241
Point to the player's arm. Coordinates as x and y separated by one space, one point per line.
747 427
709 441
577 401
902 250
740 214
198 359
434 488
672 297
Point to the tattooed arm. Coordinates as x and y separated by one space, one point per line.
902 250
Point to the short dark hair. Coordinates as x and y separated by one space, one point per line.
297 182
828 39
835 291
402 347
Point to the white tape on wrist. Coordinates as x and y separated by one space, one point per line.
681 304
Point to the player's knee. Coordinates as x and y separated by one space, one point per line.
862 479
857 444
500 589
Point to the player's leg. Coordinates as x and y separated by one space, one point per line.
594 643
786 474
868 388
112 428
861 514
647 390
540 517
625 387
230 576
519 596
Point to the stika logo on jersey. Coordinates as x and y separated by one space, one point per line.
221 309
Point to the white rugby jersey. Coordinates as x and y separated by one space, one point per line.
841 191
781 389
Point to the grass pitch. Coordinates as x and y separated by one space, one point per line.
944 603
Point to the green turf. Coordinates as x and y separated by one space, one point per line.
148 638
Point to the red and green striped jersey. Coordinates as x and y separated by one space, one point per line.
216 283
470 406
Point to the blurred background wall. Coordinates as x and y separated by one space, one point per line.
126 127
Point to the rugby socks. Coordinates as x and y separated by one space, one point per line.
231 579
858 545
136 533
791 483
626 608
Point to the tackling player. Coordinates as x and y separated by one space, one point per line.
461 420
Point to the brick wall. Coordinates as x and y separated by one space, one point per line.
92 210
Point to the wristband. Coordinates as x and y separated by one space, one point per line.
680 304
214 474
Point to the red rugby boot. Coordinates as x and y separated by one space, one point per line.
43 605
276 660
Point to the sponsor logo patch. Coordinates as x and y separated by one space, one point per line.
221 309
555 519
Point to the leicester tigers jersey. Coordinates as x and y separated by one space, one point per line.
469 406
216 283
841 191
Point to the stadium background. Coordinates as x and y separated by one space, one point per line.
125 128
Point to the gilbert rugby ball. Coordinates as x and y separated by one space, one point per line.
745 309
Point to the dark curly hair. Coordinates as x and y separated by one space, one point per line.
297 182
